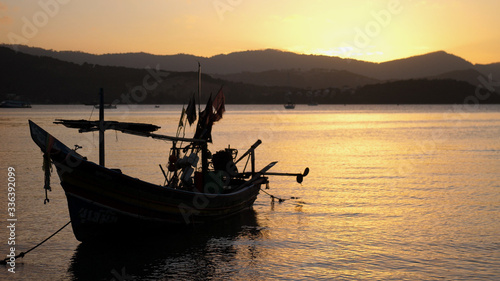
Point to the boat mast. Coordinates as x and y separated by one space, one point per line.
204 148
199 88
101 127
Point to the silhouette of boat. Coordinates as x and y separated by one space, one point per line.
15 104
289 105
106 106
104 203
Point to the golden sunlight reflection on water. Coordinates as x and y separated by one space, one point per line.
408 192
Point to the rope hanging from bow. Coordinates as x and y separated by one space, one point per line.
47 166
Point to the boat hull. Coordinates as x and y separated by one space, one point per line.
95 222
104 203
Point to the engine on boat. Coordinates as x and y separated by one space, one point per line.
223 160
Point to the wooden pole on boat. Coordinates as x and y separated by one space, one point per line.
250 151
199 88
101 127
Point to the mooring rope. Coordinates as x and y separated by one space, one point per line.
280 200
22 254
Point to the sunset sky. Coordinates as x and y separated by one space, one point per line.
371 30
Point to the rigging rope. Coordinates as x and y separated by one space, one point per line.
92 112
22 254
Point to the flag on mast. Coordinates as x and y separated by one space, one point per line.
191 111
204 126
219 105
212 113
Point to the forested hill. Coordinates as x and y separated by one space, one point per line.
49 80
41 79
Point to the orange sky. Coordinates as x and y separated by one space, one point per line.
372 30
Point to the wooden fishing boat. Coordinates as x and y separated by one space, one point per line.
105 203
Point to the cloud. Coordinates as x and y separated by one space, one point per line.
187 21
5 20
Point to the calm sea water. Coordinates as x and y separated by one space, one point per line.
394 193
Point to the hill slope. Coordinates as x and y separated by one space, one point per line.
42 79
431 64
310 79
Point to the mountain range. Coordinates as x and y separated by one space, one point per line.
252 74
421 66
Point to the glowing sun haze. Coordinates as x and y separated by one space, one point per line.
371 30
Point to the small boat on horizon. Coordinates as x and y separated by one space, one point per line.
14 104
106 106
289 105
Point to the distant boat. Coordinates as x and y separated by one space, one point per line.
313 104
107 106
157 106
15 104
289 105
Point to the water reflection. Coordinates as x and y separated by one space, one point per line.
394 193
196 254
